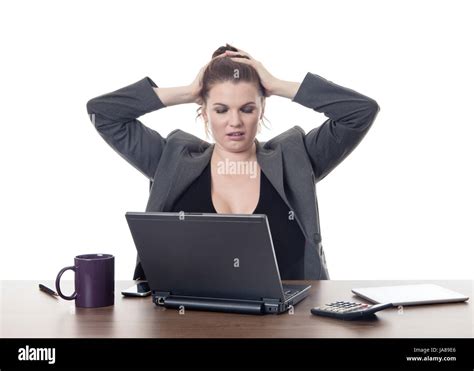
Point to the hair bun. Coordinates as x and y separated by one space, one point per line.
221 50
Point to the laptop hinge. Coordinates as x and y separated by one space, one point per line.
160 296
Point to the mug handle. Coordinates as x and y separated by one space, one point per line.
58 287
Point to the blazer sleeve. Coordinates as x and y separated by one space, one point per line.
115 116
350 116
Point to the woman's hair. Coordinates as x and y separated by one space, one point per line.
225 69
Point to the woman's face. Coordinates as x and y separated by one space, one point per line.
234 108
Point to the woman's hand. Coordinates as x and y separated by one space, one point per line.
268 81
196 86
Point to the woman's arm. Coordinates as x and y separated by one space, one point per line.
115 114
350 114
286 89
173 96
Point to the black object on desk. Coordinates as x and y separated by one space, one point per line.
167 241
47 290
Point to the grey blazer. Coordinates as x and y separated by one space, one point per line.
292 161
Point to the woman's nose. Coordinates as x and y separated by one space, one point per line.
235 119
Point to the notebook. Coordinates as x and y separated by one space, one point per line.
410 294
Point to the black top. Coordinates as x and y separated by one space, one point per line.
288 239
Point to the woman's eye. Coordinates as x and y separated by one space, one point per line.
248 110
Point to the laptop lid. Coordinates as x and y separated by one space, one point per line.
229 256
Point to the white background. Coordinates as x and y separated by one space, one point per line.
399 207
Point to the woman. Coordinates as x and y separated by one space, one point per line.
189 174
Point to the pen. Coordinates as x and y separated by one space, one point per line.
47 290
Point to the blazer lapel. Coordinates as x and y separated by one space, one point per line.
270 161
189 168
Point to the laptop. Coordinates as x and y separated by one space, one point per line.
216 262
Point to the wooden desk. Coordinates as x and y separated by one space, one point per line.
27 312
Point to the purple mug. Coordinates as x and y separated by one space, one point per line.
93 281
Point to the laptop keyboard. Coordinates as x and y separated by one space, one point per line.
289 292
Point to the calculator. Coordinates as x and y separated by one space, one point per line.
347 310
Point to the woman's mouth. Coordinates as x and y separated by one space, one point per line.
236 135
